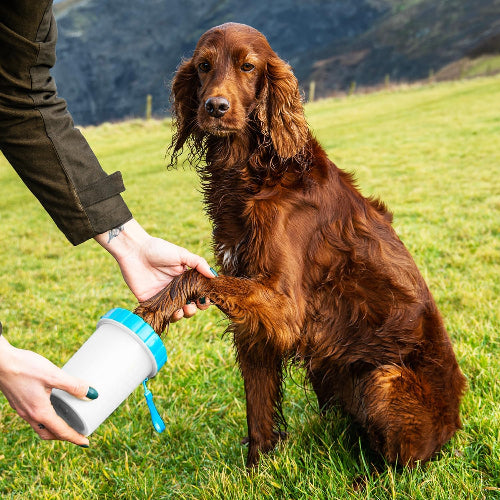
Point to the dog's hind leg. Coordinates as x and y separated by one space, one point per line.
322 384
406 421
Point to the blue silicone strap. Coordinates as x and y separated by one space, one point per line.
158 423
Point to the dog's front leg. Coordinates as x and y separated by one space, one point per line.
262 375
243 300
234 296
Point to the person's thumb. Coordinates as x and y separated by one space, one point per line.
75 386
199 263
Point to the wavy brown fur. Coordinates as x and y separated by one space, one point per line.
312 270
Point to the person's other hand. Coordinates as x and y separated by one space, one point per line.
27 379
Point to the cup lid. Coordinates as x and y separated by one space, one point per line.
142 329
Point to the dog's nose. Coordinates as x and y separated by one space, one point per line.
216 106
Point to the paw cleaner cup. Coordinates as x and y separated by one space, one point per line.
122 353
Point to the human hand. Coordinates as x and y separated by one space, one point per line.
148 264
27 379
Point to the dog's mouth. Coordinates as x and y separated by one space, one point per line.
218 128
221 131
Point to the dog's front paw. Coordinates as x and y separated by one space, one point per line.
154 317
158 310
258 448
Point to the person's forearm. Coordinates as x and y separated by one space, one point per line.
37 134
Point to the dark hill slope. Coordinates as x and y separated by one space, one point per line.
409 43
112 53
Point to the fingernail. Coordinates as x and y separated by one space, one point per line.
92 393
83 445
214 272
202 300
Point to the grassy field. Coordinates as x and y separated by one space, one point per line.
431 152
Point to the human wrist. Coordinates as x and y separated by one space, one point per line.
124 240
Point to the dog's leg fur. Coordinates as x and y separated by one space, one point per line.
262 374
403 419
246 302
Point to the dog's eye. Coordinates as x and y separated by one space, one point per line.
204 67
247 67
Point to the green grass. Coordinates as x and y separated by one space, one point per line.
485 65
431 152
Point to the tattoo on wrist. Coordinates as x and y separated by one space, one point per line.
113 233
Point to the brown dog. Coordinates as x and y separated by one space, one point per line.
312 270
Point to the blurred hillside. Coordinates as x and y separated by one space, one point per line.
112 53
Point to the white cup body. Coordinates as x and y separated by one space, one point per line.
114 360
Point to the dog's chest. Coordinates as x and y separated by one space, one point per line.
228 257
244 243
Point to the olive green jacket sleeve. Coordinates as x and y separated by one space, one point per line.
37 134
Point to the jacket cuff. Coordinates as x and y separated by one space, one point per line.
102 190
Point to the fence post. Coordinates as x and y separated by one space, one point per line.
462 69
149 106
312 90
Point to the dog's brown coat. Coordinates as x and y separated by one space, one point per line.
312 270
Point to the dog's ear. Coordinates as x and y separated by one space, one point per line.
185 104
281 110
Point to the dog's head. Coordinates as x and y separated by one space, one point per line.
236 84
